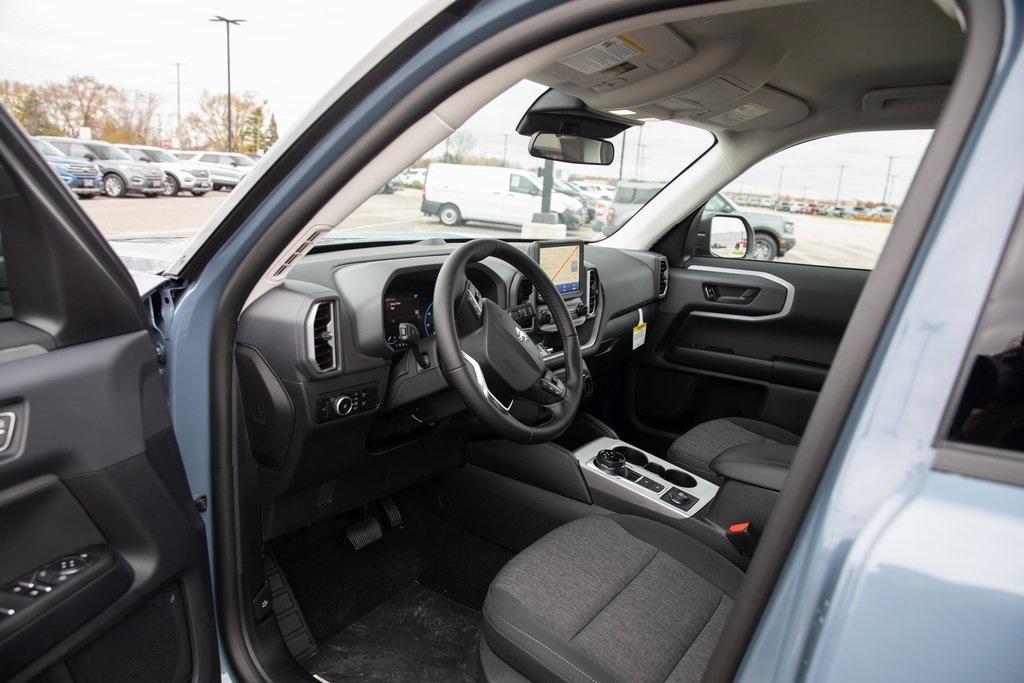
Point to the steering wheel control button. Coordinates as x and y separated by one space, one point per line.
552 385
679 498
611 462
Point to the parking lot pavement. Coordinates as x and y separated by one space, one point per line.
820 240
131 217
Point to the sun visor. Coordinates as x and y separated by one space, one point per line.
621 59
763 109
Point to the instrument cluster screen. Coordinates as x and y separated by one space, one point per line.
407 307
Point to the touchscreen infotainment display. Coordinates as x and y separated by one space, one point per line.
563 263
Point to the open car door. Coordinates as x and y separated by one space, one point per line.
104 573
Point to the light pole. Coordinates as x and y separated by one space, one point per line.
888 174
778 191
839 185
227 28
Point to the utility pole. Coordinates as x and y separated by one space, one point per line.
888 174
839 185
504 153
177 87
639 150
227 28
622 153
778 191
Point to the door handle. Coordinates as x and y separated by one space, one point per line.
729 294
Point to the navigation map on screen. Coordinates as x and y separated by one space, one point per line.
562 264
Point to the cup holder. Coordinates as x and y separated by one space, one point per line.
680 479
655 468
632 455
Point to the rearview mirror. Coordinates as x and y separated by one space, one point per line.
730 236
573 149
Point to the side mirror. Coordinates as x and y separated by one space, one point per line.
89 157
235 164
730 236
573 149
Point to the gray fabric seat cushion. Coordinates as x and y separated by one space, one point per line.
610 599
695 449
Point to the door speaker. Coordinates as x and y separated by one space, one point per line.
150 645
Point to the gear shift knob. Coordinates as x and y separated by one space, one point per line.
611 462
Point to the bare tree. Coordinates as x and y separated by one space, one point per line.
460 145
208 126
130 117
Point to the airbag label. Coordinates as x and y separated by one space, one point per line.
605 55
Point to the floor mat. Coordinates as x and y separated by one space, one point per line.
417 635
336 585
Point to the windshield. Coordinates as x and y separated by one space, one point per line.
482 181
241 160
107 152
46 149
160 155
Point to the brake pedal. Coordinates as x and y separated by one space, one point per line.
391 510
364 532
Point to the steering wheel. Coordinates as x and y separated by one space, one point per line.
490 361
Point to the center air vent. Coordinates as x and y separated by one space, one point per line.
593 291
662 276
320 330
524 291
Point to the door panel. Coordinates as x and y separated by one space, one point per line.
103 565
758 345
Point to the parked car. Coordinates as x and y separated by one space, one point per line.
81 176
885 213
773 235
457 193
178 175
390 187
226 169
412 175
122 175
570 190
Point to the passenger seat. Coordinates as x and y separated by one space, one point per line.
695 449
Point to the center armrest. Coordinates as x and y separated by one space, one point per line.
759 464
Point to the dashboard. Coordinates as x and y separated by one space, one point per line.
339 409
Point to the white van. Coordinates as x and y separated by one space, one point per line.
456 194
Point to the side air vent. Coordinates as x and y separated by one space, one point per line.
321 336
593 291
524 291
662 276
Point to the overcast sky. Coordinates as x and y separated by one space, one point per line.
290 54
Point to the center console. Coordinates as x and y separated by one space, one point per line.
625 472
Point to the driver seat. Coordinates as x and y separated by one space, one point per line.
616 598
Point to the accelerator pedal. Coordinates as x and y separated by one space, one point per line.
364 532
391 511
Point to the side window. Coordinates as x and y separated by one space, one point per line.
137 154
988 410
63 146
210 159
521 184
828 202
77 150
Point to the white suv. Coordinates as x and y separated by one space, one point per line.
226 168
178 175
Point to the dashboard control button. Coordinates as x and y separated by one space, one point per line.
343 405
